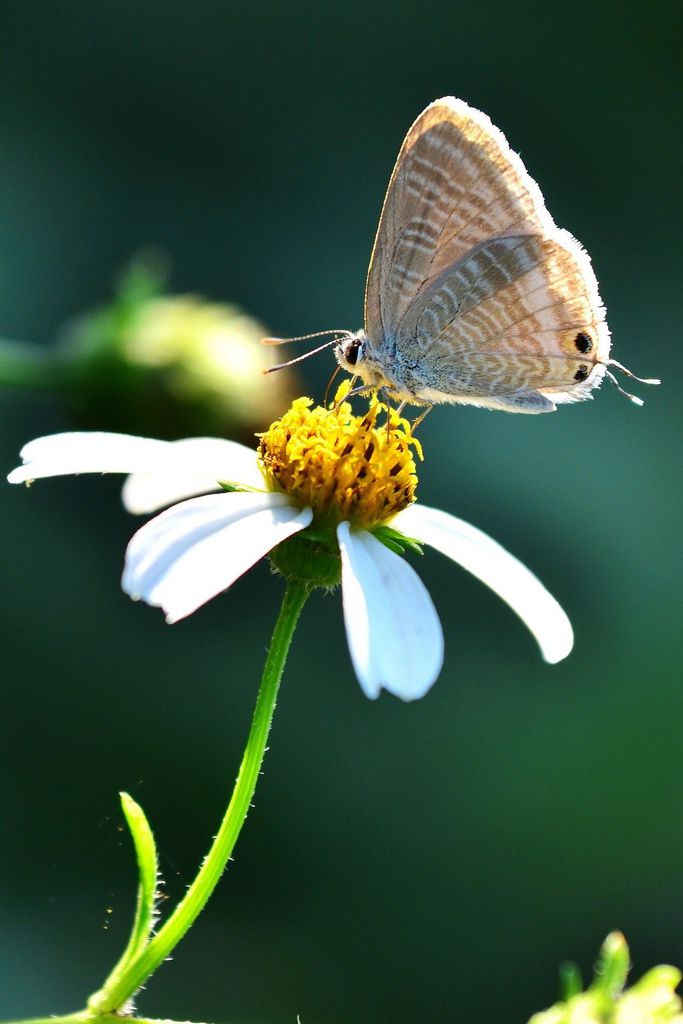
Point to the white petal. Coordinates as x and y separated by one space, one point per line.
394 634
88 452
195 550
501 571
198 463
181 468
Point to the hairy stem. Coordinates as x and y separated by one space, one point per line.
123 984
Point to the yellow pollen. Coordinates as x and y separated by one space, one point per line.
344 467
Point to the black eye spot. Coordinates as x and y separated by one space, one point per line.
583 342
582 372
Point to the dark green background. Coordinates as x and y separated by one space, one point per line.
429 862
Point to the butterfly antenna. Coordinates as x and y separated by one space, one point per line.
298 359
306 337
627 394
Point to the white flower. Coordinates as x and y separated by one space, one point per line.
197 548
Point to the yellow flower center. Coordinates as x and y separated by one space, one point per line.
344 467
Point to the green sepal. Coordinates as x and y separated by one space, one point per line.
228 485
321 535
311 556
396 541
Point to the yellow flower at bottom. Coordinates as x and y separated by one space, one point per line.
342 466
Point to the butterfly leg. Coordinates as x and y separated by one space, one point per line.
416 422
329 385
386 398
362 389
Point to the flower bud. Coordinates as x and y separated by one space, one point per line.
171 365
651 1000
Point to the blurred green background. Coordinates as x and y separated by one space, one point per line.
434 861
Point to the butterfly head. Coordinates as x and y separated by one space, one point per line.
354 354
350 352
357 354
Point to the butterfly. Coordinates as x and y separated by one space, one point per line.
473 294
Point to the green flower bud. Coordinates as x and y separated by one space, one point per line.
171 365
652 1000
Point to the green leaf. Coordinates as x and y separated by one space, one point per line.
148 877
148 871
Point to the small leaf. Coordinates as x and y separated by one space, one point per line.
148 875
146 854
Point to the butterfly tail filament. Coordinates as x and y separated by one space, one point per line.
633 376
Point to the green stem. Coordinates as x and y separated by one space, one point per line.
67 1018
86 1017
123 983
24 365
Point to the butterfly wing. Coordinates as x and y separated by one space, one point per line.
516 315
450 256
456 182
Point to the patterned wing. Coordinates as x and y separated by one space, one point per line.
519 313
455 183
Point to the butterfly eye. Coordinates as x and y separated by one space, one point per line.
353 351
581 373
583 342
